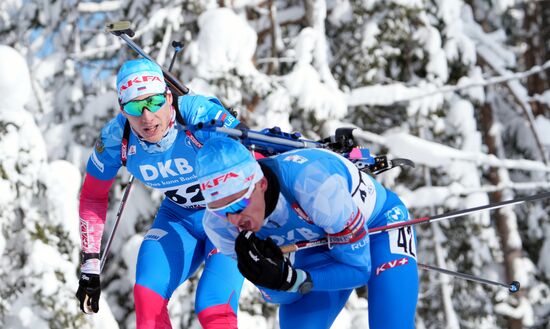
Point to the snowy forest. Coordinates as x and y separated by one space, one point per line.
460 87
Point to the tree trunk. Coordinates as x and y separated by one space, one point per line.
504 220
274 65
544 31
536 53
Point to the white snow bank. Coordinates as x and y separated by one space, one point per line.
225 42
15 81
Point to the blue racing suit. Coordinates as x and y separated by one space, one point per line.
176 244
323 195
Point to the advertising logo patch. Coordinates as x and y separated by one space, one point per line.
95 160
166 169
136 80
155 234
396 214
219 180
99 146
391 264
295 158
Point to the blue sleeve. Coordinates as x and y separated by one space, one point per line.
105 161
197 108
322 190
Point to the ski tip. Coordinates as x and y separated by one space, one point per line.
514 287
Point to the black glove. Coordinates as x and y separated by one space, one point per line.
88 292
262 263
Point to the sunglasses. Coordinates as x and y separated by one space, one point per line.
153 103
235 207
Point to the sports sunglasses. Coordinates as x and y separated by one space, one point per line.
153 103
235 207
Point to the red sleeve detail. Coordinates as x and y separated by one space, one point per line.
258 155
353 232
94 201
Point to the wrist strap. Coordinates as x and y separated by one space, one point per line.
301 276
90 263
88 255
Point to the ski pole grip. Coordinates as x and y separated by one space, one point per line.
121 27
122 30
289 248
178 46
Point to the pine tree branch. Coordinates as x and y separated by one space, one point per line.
526 108
436 155
409 94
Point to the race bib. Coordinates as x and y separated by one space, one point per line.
187 196
402 241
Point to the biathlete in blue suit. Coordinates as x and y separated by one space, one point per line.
255 207
149 138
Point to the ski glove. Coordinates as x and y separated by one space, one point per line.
88 292
262 263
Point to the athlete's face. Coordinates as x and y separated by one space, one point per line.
251 218
151 126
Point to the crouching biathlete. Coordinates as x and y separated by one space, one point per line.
254 208
149 138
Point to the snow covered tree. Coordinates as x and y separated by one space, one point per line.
413 76
38 239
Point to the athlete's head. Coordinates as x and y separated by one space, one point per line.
144 98
232 183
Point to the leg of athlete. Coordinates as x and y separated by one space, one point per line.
316 310
168 255
218 291
393 286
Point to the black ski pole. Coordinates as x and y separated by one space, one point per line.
117 221
178 46
459 213
123 30
428 219
512 287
